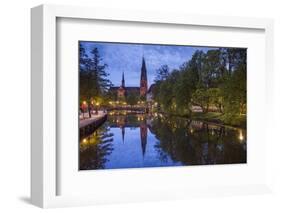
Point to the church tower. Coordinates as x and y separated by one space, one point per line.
123 80
143 80
122 90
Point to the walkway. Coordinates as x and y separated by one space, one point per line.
86 121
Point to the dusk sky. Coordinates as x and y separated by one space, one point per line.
127 58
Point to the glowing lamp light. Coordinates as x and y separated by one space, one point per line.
241 137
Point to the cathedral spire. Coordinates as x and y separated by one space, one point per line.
143 70
123 133
143 80
123 80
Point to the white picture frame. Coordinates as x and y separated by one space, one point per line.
44 169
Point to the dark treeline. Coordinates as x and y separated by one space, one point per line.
214 81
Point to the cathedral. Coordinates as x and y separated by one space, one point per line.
122 92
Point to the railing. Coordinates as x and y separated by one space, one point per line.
138 108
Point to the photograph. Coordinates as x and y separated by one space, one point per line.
161 105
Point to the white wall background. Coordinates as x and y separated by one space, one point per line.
15 105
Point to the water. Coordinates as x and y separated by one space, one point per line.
139 140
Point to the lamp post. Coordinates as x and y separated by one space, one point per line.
97 105
84 106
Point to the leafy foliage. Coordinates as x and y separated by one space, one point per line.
94 80
214 81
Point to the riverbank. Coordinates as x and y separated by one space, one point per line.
88 125
239 121
216 117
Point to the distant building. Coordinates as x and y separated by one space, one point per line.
122 92
149 94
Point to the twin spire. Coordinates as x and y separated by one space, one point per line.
143 79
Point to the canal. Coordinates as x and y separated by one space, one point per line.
153 140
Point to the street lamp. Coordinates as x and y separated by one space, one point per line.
97 104
241 137
84 106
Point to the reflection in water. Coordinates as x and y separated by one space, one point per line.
95 149
143 136
134 141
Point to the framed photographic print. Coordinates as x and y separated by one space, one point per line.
173 105
149 106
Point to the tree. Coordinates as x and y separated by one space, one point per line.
93 76
167 91
162 73
235 92
214 78
201 98
187 82
84 76
99 72
195 67
209 72
215 98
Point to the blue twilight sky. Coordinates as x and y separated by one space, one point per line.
127 58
